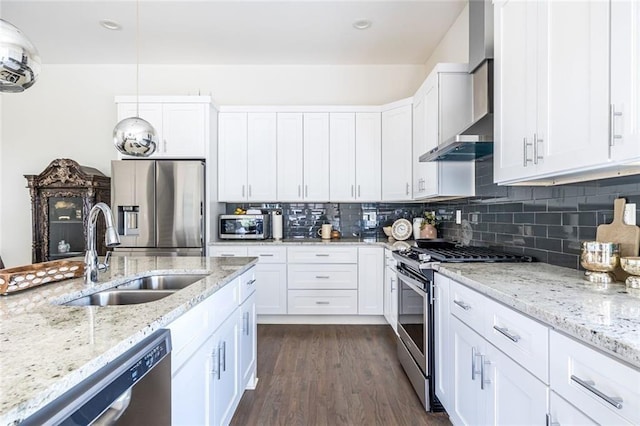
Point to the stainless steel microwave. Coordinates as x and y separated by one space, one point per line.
244 226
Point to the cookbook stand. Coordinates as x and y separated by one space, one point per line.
61 198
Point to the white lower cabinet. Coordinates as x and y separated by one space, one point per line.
563 413
370 280
212 365
442 349
390 290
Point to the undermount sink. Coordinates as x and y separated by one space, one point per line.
120 297
138 290
162 282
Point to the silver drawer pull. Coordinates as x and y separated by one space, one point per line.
266 255
322 254
322 303
253 281
228 255
505 332
323 277
590 386
462 305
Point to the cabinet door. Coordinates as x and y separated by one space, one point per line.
396 154
430 178
149 112
468 399
190 389
442 349
515 97
232 156
342 156
563 413
368 156
370 280
316 156
515 396
224 370
271 289
261 156
290 155
625 90
184 130
573 90
391 298
418 143
247 343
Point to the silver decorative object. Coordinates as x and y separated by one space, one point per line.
599 259
19 60
135 136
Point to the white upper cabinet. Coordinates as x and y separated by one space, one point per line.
246 156
355 156
181 123
303 156
441 108
396 153
552 105
625 85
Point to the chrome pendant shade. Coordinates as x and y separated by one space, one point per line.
19 60
135 136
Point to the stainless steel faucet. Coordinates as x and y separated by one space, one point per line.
111 239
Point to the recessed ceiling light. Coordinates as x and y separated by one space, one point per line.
110 25
361 24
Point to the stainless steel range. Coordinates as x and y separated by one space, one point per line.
415 307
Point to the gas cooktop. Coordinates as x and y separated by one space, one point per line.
450 253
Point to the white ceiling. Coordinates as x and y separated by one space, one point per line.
234 31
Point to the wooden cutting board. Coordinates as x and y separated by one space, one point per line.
628 236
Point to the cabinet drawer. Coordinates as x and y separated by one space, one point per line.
268 254
321 254
322 277
247 284
594 382
467 305
187 334
525 340
322 302
227 251
222 303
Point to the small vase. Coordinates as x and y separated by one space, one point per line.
428 231
417 223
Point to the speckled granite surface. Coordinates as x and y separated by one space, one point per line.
605 316
45 349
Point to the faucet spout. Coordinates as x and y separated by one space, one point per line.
111 239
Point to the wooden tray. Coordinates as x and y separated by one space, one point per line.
29 276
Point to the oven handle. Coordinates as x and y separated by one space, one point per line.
411 282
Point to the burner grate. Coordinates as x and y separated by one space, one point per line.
467 254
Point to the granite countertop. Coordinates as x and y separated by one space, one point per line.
47 349
605 316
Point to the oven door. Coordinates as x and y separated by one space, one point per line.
413 319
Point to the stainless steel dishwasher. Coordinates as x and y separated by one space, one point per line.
134 389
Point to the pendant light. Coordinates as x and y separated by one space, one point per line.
19 60
135 136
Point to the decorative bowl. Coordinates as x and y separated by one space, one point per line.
631 265
599 259
387 231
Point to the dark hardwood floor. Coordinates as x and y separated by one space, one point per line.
331 375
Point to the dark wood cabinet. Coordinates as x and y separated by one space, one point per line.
61 198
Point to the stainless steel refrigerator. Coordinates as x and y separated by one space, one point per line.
159 206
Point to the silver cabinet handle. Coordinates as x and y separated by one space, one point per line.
218 361
524 148
393 281
266 255
306 191
227 255
483 381
242 191
550 422
536 156
462 304
505 332
249 190
299 191
591 387
164 143
358 191
322 254
323 277
224 356
474 354
407 188
251 282
214 360
322 303
352 195
245 323
612 124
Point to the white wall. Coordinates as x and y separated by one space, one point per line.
454 46
70 113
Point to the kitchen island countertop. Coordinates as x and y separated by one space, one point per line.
604 316
47 349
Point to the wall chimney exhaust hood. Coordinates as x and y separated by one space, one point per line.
475 141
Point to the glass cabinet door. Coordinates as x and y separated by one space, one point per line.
66 230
